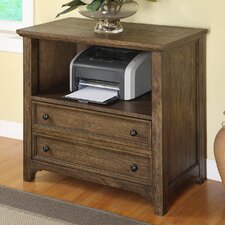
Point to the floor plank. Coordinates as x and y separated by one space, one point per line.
193 204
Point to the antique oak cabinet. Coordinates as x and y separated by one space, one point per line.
149 145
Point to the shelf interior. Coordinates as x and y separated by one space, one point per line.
138 108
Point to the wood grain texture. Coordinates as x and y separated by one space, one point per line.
93 124
159 149
30 49
54 58
137 36
139 107
193 204
143 190
201 108
93 160
182 99
170 120
68 135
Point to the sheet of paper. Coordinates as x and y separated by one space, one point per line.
93 94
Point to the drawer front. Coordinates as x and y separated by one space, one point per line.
92 159
94 124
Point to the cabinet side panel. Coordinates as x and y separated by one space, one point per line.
183 111
202 108
30 80
54 62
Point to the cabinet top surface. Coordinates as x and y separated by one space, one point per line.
138 36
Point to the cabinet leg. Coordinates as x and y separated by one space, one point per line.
202 171
29 175
200 179
160 205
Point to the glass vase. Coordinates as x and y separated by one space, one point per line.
109 15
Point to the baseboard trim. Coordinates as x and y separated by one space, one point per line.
11 129
212 171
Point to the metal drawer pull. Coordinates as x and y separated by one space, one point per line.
134 168
45 116
133 133
45 148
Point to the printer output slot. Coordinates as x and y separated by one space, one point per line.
98 84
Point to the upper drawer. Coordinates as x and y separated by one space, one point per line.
93 124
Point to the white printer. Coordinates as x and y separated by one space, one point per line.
101 70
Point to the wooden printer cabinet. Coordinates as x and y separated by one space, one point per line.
149 145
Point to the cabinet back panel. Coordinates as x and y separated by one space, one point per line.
54 61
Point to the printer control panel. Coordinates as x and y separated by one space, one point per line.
110 54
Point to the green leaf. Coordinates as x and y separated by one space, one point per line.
94 6
67 10
71 3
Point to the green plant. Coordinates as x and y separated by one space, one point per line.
91 5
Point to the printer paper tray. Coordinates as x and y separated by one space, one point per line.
94 95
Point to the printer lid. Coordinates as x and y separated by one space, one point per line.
106 55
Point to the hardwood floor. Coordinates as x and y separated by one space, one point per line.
193 204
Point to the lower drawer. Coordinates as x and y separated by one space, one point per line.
107 162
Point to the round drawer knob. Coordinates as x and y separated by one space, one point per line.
134 168
133 133
45 116
45 148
